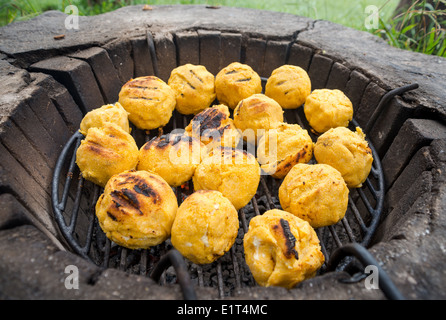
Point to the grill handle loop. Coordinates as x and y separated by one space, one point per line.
174 258
385 99
363 255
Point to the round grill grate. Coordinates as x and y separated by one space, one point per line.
74 199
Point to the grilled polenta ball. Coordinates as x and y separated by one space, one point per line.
235 82
137 209
108 113
214 127
174 157
106 151
233 172
256 114
346 151
281 148
194 88
289 85
326 109
281 249
315 193
205 226
149 102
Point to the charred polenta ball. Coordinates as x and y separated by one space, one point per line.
281 148
348 152
137 209
326 109
233 172
205 226
108 113
214 127
173 156
106 151
149 102
315 193
194 88
235 82
281 249
256 114
289 85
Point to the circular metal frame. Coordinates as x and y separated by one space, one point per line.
364 206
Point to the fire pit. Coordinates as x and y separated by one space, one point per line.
48 221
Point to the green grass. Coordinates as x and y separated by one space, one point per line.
421 28
346 12
406 31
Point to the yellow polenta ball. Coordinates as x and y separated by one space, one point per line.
214 127
108 113
315 193
233 172
281 249
326 109
235 82
137 209
348 152
281 148
255 114
149 102
173 156
194 88
289 85
205 226
106 151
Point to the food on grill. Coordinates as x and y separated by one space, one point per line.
289 85
106 151
214 127
137 209
173 156
281 148
255 114
205 226
194 88
326 109
149 102
315 193
235 82
281 249
233 172
108 113
348 152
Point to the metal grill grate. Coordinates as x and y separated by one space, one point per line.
74 200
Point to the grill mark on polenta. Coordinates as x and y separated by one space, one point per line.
128 196
142 87
290 240
196 76
244 80
231 72
146 190
112 216
209 119
145 98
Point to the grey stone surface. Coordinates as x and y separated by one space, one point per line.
412 236
77 76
